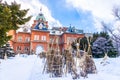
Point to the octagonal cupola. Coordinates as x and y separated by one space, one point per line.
40 16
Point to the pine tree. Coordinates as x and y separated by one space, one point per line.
11 16
103 44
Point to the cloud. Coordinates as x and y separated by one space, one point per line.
34 6
100 9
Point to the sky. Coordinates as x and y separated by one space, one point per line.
83 14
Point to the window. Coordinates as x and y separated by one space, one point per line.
51 40
40 25
57 40
26 48
70 39
62 40
19 38
27 39
18 47
43 38
73 39
13 37
36 37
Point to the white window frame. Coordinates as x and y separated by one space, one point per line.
36 37
27 39
19 38
43 38
51 40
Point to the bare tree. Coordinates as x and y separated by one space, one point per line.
116 12
114 36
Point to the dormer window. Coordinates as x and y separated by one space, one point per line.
40 26
40 19
53 31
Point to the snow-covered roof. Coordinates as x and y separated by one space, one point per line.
24 28
61 30
21 30
53 31
56 32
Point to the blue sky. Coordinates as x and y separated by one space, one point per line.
69 15
83 14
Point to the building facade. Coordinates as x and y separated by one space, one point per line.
41 38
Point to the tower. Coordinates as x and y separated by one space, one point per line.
40 22
39 34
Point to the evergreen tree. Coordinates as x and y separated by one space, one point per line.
11 16
103 44
83 44
95 36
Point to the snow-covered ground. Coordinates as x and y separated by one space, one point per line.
31 68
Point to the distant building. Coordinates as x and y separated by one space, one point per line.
41 38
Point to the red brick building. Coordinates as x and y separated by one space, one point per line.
40 37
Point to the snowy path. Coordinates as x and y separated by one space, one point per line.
36 73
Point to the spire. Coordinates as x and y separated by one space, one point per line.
70 25
70 28
41 10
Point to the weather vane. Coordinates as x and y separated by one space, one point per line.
41 9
